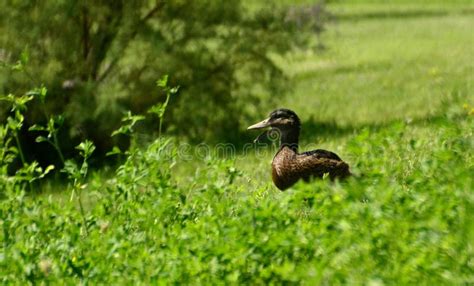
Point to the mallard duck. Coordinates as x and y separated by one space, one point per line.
288 165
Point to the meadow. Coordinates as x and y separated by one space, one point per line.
391 92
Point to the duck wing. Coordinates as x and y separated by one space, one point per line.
320 153
318 162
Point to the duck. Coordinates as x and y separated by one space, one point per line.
289 165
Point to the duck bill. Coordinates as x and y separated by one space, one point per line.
260 125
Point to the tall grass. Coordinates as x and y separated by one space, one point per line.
406 218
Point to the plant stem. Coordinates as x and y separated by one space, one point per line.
22 157
81 207
159 127
56 146
20 150
55 142
165 104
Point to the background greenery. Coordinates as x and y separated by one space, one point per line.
100 59
391 92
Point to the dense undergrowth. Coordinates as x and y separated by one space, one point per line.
405 119
407 216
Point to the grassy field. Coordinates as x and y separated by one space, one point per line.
392 93
378 71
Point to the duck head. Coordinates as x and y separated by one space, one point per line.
283 123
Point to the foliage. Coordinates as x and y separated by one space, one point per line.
100 58
30 172
160 108
407 218
11 147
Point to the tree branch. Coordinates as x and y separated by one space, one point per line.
85 34
132 35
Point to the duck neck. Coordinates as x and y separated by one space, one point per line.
289 138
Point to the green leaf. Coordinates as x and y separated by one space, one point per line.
18 66
122 130
115 151
48 169
10 98
174 90
38 92
13 149
40 139
58 120
71 169
43 92
14 124
163 82
36 127
157 109
86 148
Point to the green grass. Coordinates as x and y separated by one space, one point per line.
380 70
392 95
375 72
406 219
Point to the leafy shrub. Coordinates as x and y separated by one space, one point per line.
100 59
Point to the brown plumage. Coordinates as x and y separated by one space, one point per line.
288 165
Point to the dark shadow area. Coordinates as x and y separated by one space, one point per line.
341 69
394 14
311 129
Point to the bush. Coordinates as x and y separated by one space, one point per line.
100 59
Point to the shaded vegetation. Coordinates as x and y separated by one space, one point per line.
100 59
